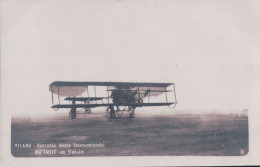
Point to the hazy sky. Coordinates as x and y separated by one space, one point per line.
204 47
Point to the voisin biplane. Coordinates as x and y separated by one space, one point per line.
119 98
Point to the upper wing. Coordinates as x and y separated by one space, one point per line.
65 88
142 91
117 84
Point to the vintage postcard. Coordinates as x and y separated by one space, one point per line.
129 83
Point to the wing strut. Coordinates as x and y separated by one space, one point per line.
149 94
88 94
166 95
174 92
95 91
52 95
53 99
108 94
174 97
59 94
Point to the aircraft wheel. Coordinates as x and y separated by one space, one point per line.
132 116
132 113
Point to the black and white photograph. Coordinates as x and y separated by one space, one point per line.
120 128
129 83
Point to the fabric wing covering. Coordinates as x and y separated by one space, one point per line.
157 90
153 91
68 90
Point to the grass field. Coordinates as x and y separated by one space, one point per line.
175 134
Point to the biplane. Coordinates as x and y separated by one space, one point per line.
120 97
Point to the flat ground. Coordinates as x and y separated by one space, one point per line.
176 134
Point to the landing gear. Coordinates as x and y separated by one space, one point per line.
111 115
72 114
127 113
132 112
132 116
88 110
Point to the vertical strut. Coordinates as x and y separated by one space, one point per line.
174 92
52 95
95 91
59 94
166 95
108 94
139 95
88 94
149 94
